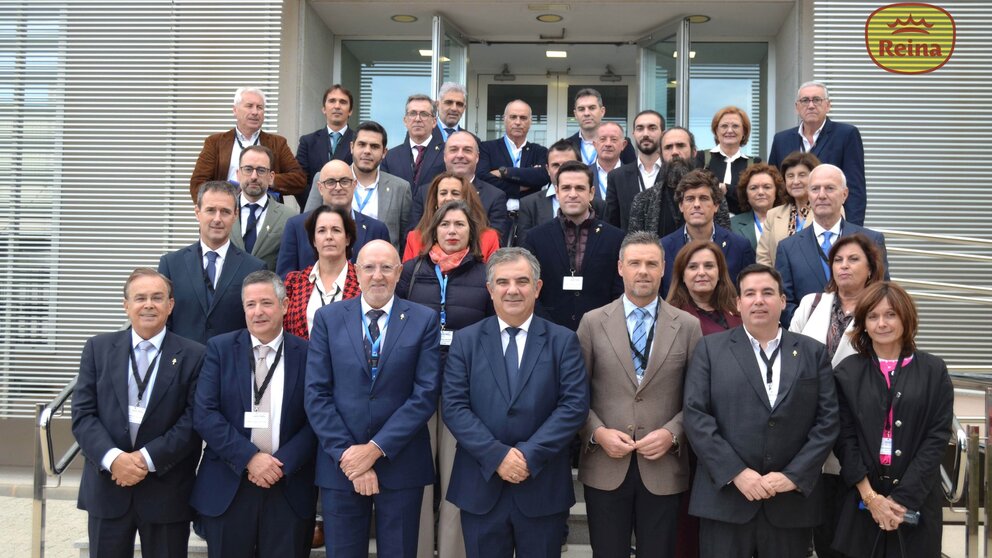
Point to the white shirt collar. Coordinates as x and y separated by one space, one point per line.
339 281
818 230
362 186
629 307
616 166
272 345
729 158
246 140
221 252
525 326
387 307
427 142
342 131
755 344
816 134
655 167
156 340
550 191
243 201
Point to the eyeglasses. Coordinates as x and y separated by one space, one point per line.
262 171
729 127
385 269
424 115
331 183
807 100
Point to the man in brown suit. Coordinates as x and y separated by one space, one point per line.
218 159
636 350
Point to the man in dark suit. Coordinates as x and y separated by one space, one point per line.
699 196
589 111
461 156
419 158
511 163
254 490
801 259
337 187
832 142
261 218
636 350
134 424
515 394
761 414
372 385
206 275
330 142
576 251
452 100
218 160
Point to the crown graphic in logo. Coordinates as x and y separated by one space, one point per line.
910 25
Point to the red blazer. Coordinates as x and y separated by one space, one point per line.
215 159
298 291
488 243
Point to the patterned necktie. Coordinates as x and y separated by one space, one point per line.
335 138
826 251
251 234
132 386
511 356
373 316
211 275
639 338
419 161
262 437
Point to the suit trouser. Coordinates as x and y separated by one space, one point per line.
613 514
505 530
450 543
114 538
758 537
260 523
348 519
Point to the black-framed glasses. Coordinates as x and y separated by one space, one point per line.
331 183
262 171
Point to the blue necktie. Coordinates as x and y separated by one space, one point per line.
250 233
211 276
449 131
826 251
335 138
639 338
511 357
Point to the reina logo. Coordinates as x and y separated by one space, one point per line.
910 38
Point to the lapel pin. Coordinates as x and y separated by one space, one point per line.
597 229
173 361
364 227
795 353
437 148
266 228
402 316
724 244
387 188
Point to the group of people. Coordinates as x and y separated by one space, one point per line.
450 324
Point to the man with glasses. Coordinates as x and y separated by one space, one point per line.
337 188
420 157
218 159
372 384
832 142
258 230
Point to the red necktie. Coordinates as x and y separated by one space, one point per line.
416 164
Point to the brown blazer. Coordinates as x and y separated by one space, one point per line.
215 159
616 401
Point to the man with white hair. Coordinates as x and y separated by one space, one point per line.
832 142
452 100
218 159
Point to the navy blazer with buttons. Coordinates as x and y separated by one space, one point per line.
312 154
399 162
735 248
223 396
296 253
529 177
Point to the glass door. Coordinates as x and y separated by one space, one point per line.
664 68
449 54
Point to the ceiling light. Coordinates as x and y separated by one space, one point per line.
698 18
426 52
404 18
549 18
692 54
556 54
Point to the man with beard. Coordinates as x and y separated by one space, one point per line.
640 175
258 230
655 209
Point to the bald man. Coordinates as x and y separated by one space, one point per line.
511 163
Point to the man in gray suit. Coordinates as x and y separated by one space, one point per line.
761 414
258 230
378 194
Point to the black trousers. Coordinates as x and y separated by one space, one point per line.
631 508
757 538
114 538
258 524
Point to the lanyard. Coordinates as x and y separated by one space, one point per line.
443 282
757 223
142 382
334 295
363 203
769 362
889 379
586 156
375 344
819 247
643 357
237 139
260 391
511 148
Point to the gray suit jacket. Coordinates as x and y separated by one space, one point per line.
616 400
395 200
269 236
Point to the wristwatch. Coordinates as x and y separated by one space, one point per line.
675 441
502 172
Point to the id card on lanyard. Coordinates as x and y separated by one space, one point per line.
889 374
374 358
447 336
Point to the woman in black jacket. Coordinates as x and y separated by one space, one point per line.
896 408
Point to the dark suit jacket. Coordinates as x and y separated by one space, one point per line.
399 162
731 427
191 317
519 182
736 248
346 407
296 253
215 159
493 201
536 209
601 283
798 260
223 396
718 166
622 185
100 423
628 155
312 154
540 419
839 144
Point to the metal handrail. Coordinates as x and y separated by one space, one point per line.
51 467
953 482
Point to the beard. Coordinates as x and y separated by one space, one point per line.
676 169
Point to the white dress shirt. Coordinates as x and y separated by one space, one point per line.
221 258
318 300
276 385
602 176
263 204
504 337
371 208
772 388
232 168
818 231
728 176
413 147
383 320
649 176
807 146
553 194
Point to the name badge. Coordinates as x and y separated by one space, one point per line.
571 283
256 420
447 336
886 448
135 414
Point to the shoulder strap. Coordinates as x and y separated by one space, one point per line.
707 157
413 278
816 301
